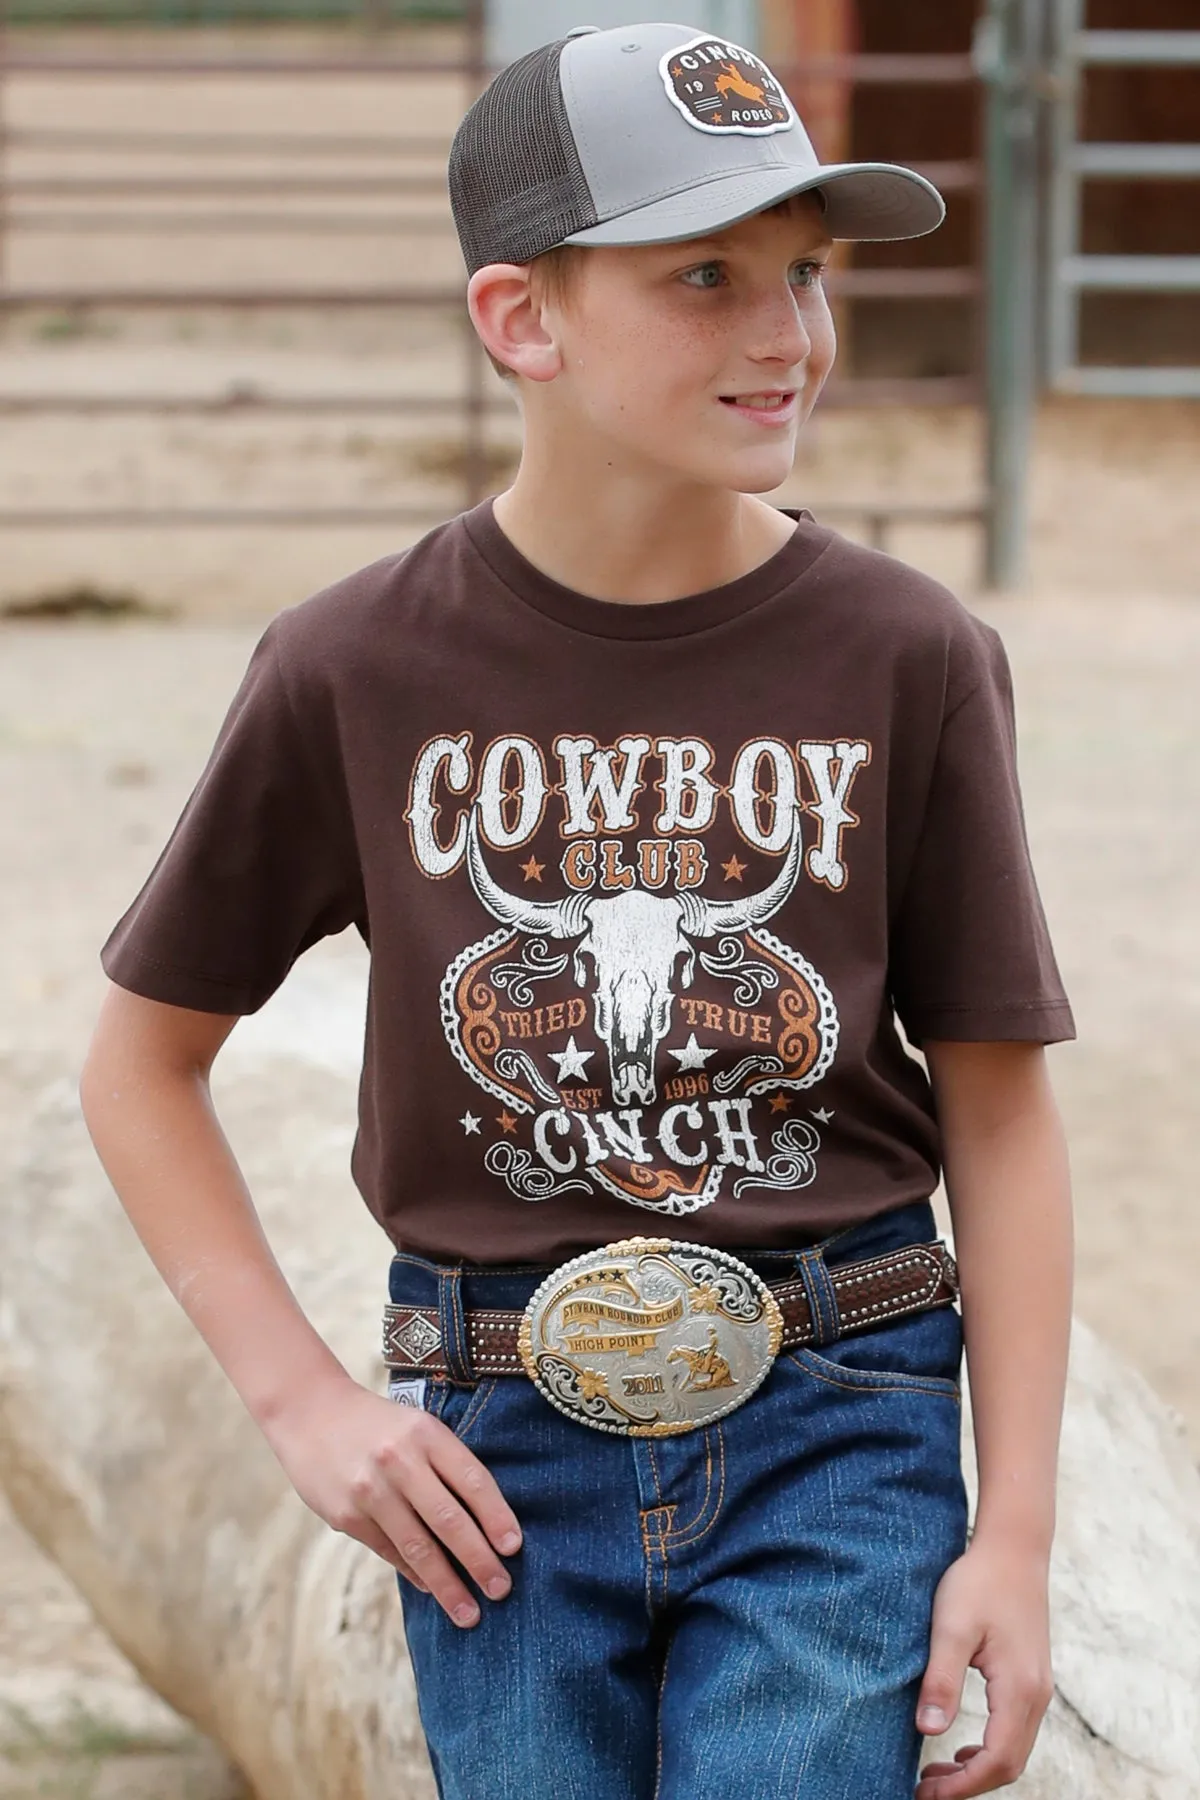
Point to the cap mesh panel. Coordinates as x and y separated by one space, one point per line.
517 186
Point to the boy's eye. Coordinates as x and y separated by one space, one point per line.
709 274
703 269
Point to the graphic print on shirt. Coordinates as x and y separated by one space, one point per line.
645 1033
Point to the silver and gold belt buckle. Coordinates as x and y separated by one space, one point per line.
648 1337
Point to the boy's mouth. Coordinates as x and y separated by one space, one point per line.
770 403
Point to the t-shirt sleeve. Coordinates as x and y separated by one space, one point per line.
260 864
970 953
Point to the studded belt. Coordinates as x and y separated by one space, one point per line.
650 1336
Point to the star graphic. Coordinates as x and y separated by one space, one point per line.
692 1056
780 1102
506 1121
469 1123
823 1116
734 870
532 870
572 1060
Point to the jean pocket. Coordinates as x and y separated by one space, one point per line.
918 1352
456 1405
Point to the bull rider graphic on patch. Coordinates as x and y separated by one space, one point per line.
722 87
645 1033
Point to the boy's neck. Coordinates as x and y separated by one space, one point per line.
627 540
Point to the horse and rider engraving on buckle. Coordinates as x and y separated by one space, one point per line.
649 1336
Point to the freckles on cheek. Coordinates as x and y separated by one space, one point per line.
699 349
823 335
646 372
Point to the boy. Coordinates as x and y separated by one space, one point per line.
658 806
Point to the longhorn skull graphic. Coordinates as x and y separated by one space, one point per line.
634 940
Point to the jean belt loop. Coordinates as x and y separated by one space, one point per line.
819 1292
456 1349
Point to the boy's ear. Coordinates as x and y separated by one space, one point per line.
508 320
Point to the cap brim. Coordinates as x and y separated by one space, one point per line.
862 200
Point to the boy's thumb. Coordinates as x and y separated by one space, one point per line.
938 1700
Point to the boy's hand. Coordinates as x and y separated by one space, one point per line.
990 1611
391 1477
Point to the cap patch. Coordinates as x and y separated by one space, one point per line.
718 86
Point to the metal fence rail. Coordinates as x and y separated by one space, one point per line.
168 13
1072 163
31 204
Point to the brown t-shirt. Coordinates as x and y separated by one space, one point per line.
644 885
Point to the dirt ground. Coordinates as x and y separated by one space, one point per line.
104 727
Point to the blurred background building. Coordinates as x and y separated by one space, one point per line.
270 157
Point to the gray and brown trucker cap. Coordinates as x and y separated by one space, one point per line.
648 134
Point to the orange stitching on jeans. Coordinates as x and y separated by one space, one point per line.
658 1747
648 1553
435 1394
472 1412
681 1543
648 1559
654 1469
700 1510
682 1536
898 1384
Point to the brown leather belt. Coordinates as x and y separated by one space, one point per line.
868 1292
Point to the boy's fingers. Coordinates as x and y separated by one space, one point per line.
370 1535
454 1526
980 1768
419 1550
462 1469
963 1755
981 1775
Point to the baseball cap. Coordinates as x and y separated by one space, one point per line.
648 134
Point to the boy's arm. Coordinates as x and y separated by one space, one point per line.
148 1107
1008 1188
366 1466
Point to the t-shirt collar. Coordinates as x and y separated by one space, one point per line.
651 618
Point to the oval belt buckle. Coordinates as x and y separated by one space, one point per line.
648 1336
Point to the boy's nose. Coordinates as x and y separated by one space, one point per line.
782 332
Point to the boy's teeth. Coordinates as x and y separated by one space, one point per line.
760 399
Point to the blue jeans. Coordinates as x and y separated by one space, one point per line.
739 1610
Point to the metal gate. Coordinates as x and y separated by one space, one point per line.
1033 59
1070 274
